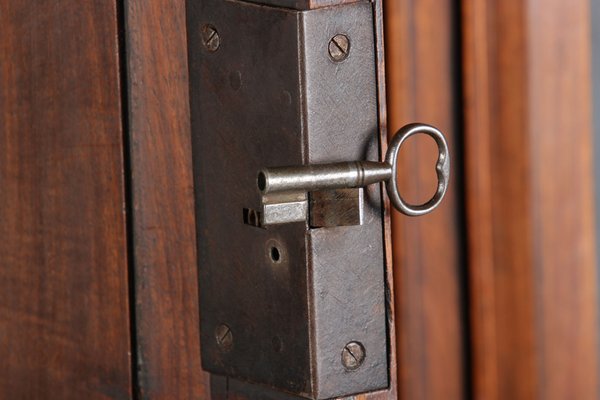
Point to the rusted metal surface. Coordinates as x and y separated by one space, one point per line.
347 265
249 87
338 207
293 297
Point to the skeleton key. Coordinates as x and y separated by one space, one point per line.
355 174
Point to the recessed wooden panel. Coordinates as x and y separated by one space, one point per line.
164 248
64 317
532 265
428 261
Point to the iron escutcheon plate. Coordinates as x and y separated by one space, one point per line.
280 305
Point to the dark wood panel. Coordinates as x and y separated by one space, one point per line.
166 282
428 265
530 201
64 323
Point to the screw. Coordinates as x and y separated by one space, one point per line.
277 344
224 337
210 37
339 47
353 355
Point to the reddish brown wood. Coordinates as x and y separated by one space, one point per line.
427 250
64 318
479 213
529 199
166 282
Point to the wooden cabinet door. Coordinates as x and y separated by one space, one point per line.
495 293
64 261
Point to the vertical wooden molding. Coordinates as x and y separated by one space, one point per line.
164 250
530 199
563 197
427 250
478 171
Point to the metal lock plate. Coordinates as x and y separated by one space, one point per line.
298 306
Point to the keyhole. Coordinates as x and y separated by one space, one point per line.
275 254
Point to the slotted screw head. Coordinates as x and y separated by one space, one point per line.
210 37
339 47
224 337
353 355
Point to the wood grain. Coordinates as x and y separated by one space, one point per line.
64 318
427 251
530 200
166 282
478 171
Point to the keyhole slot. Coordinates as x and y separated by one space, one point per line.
275 254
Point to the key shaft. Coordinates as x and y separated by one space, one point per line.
323 176
354 174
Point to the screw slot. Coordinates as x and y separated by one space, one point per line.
210 37
353 356
224 337
339 47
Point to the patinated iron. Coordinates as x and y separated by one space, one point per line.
339 47
210 37
291 295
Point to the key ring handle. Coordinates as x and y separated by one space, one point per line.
442 168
